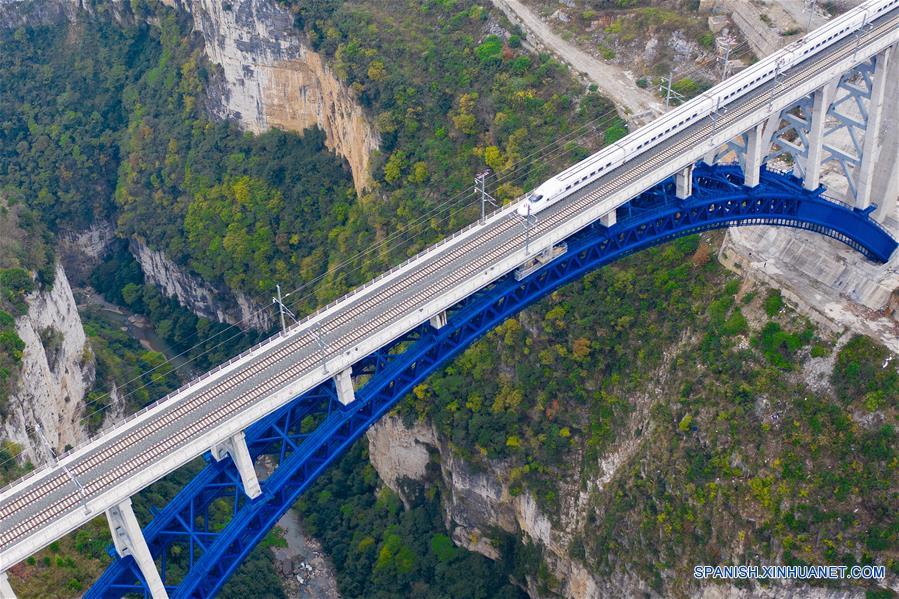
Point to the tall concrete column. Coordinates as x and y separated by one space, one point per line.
871 146
6 591
752 165
885 180
129 540
821 101
683 183
236 448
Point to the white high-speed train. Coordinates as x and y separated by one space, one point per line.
588 170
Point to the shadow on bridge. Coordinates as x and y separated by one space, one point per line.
193 534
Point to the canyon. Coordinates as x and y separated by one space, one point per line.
269 77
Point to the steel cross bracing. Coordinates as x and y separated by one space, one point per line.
849 112
789 134
212 552
217 407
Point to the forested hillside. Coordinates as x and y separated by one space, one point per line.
253 211
113 127
106 121
691 416
735 447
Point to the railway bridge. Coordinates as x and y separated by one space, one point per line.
351 361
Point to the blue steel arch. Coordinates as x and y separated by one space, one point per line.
213 548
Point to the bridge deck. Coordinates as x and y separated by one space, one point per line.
122 462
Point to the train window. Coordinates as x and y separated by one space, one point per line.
609 164
569 187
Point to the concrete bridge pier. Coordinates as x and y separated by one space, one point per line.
5 590
752 162
871 149
344 384
883 185
129 540
236 447
683 183
821 100
609 219
438 321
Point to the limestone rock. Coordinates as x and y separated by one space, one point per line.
52 380
201 297
272 78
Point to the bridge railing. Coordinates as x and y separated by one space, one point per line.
832 198
305 320
269 340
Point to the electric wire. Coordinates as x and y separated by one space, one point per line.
511 173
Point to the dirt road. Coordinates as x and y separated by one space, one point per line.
612 81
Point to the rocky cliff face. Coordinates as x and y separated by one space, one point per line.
57 372
268 78
478 500
33 13
80 252
273 79
196 294
19 13
824 279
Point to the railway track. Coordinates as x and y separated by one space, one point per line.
303 352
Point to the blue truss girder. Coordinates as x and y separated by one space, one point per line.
719 200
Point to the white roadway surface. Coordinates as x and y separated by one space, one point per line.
48 505
611 80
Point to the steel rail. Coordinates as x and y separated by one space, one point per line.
646 161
